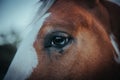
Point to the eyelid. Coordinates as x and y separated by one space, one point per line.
49 37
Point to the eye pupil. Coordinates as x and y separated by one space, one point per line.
59 41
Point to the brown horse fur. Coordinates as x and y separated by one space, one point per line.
90 55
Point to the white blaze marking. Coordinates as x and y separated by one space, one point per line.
115 45
25 59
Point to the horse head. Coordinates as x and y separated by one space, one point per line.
78 40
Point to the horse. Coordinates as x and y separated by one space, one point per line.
70 40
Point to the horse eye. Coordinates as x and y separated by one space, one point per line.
57 40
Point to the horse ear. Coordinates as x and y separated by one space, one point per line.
114 13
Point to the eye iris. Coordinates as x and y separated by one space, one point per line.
59 41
